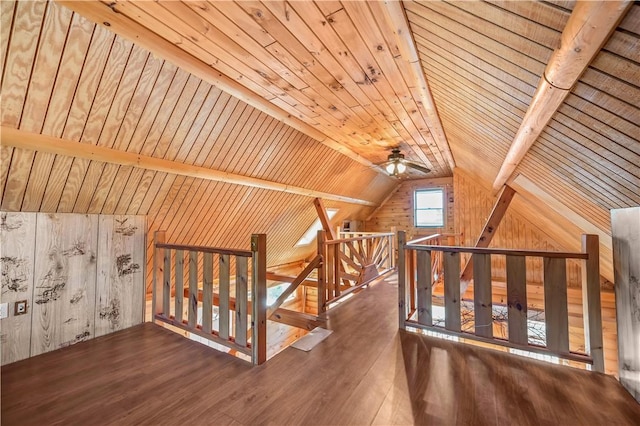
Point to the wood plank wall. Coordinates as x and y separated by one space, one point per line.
397 211
81 275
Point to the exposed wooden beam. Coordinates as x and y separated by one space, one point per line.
324 219
42 143
489 230
106 14
588 28
398 19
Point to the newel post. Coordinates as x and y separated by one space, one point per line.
259 298
158 274
322 285
591 301
402 277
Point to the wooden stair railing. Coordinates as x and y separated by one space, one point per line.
415 301
245 331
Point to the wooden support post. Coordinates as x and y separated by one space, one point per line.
402 281
452 319
179 285
424 282
259 298
556 311
483 306
324 218
159 237
591 306
517 299
489 230
322 284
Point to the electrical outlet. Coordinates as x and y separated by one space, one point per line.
4 310
20 308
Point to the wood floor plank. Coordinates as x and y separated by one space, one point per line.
366 372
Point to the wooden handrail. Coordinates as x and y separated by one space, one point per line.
366 237
499 251
416 279
203 249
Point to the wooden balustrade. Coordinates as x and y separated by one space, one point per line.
241 320
352 262
416 279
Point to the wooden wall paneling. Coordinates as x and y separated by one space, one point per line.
625 227
18 64
48 59
65 281
18 242
107 92
120 284
7 11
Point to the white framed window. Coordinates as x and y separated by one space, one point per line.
428 208
312 232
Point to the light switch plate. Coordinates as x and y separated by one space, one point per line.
4 310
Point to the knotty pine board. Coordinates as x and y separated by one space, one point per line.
65 272
17 239
119 290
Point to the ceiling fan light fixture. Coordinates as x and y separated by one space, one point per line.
391 168
401 167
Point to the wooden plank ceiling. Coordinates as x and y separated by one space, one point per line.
63 76
483 61
301 78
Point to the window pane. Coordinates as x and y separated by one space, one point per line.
429 199
429 218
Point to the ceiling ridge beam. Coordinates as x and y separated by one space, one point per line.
103 14
588 28
57 146
396 15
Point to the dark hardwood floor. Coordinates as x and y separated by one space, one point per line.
365 372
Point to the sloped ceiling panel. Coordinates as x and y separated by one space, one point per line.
484 60
63 76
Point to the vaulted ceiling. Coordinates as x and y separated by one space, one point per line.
309 95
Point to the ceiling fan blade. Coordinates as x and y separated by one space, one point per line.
417 166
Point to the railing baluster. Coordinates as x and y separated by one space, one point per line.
452 291
331 278
179 285
337 269
166 292
207 292
402 282
517 299
158 275
241 300
424 287
322 286
193 289
482 295
555 304
223 308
